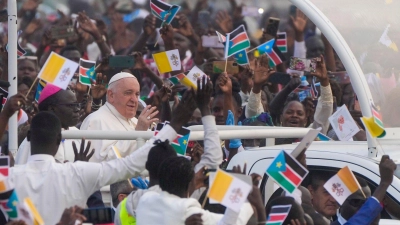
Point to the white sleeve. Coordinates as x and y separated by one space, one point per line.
254 107
212 156
300 49
24 151
93 176
323 110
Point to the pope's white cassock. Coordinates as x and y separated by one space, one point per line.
65 150
108 118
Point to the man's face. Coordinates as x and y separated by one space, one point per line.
182 44
73 55
315 47
26 68
126 96
67 109
196 117
323 202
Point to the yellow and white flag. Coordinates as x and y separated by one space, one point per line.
194 74
385 40
342 185
58 70
228 190
168 61
116 152
28 213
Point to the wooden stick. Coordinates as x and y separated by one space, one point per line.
97 67
252 50
30 89
226 64
156 43
204 202
88 91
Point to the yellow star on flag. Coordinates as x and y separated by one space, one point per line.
184 142
15 203
278 164
240 55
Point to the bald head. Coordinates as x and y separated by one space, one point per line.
124 94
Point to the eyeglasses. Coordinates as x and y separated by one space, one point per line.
72 105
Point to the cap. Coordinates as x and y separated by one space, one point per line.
120 76
48 91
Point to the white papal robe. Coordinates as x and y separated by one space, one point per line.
65 150
108 118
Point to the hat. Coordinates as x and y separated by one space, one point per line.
48 91
120 76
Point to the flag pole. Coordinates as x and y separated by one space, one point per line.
12 72
88 91
162 25
226 63
252 49
30 89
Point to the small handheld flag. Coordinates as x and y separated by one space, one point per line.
183 79
39 89
229 190
58 70
221 37
237 41
242 58
266 47
4 165
181 142
164 11
342 185
86 71
281 42
20 50
194 74
28 213
167 61
385 40
374 124
287 172
275 57
278 214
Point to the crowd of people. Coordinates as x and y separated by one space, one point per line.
149 182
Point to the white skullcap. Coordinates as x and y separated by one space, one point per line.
120 76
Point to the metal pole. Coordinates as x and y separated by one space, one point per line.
356 75
12 71
194 135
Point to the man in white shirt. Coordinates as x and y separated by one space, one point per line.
64 105
118 114
53 186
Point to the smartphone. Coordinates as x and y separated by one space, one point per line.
279 78
293 10
62 32
340 77
204 19
300 64
174 23
211 42
121 61
250 11
231 67
102 215
272 26
3 15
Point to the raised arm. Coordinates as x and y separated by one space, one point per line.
212 156
97 175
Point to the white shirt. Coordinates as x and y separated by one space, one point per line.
154 207
108 118
65 150
53 187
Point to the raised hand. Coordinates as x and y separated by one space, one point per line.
224 21
386 170
321 73
184 111
86 24
99 89
299 21
146 118
167 34
185 27
139 61
149 25
83 154
203 95
261 73
162 95
225 83
14 104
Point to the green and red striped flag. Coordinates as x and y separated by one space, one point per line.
287 172
86 71
377 116
278 214
374 124
275 57
281 42
236 41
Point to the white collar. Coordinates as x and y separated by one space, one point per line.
41 157
341 220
